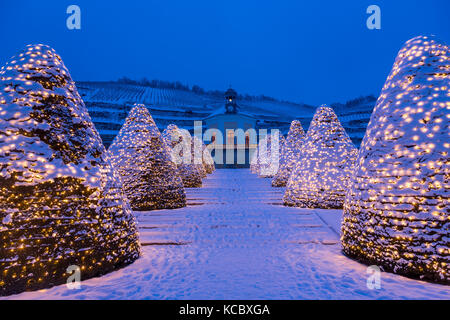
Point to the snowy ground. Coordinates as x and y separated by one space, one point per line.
236 241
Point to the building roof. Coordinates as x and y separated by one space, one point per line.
223 111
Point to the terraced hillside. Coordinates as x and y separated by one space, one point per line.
109 103
355 115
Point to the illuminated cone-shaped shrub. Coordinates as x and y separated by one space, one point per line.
208 161
269 151
254 162
320 177
396 213
197 154
61 203
143 159
262 147
289 154
180 145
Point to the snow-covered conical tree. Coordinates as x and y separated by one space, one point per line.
61 203
208 161
254 162
396 213
143 159
261 148
269 154
320 177
182 156
197 153
289 154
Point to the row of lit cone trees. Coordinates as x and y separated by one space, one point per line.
62 201
395 190
155 168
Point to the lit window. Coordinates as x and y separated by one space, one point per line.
230 137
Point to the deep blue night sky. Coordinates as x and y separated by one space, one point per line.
313 52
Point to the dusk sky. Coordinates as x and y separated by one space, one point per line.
305 51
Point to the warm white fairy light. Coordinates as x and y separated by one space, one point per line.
396 213
266 161
264 143
196 152
254 161
180 143
143 159
320 177
208 161
289 154
61 203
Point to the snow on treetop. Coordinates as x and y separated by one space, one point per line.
136 134
172 134
326 128
396 211
43 120
320 177
289 153
295 134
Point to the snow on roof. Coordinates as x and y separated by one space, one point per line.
222 111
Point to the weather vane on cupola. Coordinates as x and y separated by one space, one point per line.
230 97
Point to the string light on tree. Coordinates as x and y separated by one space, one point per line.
181 154
255 158
326 158
196 153
208 161
396 213
143 159
61 203
289 154
268 158
254 162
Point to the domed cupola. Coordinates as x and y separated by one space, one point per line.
230 97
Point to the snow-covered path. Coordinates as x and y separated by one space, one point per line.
236 241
